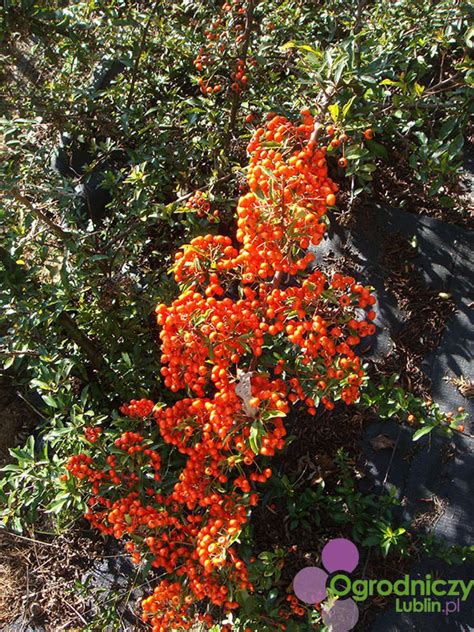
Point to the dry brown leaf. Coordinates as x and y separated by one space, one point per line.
382 442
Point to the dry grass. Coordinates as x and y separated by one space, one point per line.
38 583
12 581
465 387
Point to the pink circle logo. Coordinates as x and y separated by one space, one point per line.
340 615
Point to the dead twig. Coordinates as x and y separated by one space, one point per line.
23 537
78 614
14 352
83 342
64 235
139 52
322 108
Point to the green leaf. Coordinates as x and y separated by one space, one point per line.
10 468
419 89
334 111
377 148
271 414
347 107
50 401
339 69
356 152
254 438
57 504
455 147
389 82
8 363
386 547
421 432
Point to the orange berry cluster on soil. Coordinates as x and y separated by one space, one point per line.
237 308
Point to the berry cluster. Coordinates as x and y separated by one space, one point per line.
238 310
200 262
337 140
138 408
239 78
168 598
224 36
199 204
92 433
289 192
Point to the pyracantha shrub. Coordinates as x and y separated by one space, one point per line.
254 330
